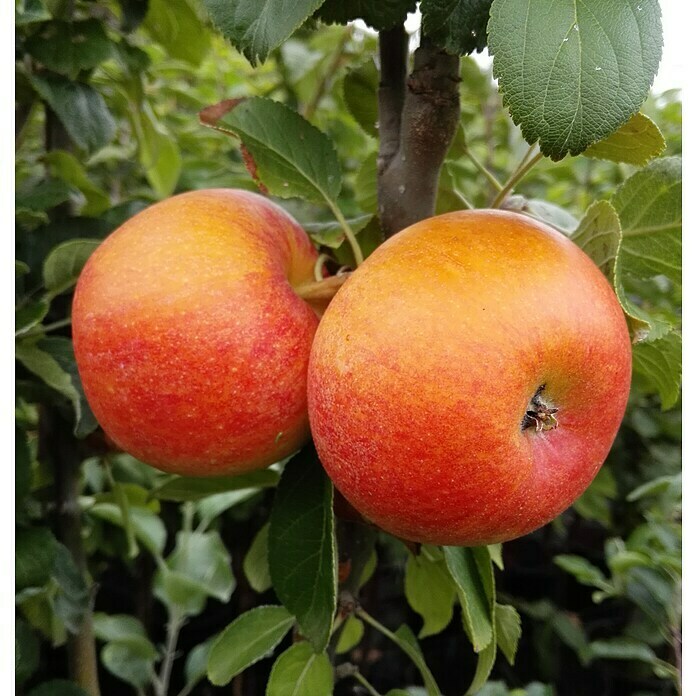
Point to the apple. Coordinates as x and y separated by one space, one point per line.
466 383
191 341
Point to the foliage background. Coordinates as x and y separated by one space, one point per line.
598 590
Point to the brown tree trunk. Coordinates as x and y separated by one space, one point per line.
418 118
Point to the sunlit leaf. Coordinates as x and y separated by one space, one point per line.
561 66
248 639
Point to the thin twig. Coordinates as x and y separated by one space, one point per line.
42 329
519 174
334 65
350 235
124 507
430 683
483 169
173 627
366 684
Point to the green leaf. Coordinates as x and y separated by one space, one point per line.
132 14
72 597
26 651
636 142
53 361
147 526
430 592
131 660
248 639
158 151
128 654
379 14
21 268
649 207
569 629
30 11
299 671
496 553
302 546
117 627
70 47
484 564
508 630
583 571
256 562
201 560
366 184
35 551
285 153
22 466
661 362
654 487
30 315
560 67
37 607
622 649
599 236
595 502
547 212
44 195
65 262
351 634
179 593
405 639
476 610
80 108
58 687
484 666
256 27
66 167
183 488
196 664
458 26
360 86
331 233
213 506
369 568
175 25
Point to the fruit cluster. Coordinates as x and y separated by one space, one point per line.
463 386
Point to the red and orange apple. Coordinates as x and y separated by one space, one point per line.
191 342
466 383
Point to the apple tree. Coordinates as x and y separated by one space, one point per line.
129 580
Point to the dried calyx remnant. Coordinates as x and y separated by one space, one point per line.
539 414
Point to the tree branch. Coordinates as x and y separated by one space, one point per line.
57 446
393 56
408 177
333 67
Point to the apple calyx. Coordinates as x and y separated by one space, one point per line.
539 414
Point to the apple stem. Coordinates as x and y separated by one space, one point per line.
321 290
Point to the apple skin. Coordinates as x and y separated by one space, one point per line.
190 340
427 359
